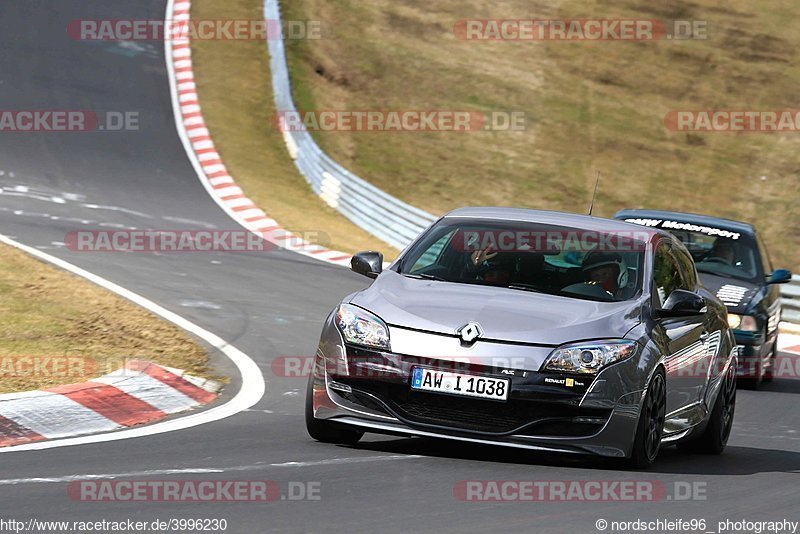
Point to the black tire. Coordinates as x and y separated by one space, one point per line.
752 383
650 428
716 434
325 431
770 371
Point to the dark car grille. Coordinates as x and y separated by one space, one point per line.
486 416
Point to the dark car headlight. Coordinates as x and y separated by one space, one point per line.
745 323
360 327
589 357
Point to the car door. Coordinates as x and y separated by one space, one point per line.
710 335
683 335
772 299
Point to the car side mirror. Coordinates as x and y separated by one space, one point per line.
368 263
780 276
682 303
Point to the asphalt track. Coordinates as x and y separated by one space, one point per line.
271 305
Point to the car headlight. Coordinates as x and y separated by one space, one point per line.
360 327
588 358
746 323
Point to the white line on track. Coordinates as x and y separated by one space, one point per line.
252 380
200 470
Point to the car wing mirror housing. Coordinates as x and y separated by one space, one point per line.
682 303
780 276
369 263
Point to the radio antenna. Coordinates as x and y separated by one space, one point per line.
596 183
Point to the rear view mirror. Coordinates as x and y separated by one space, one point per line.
780 276
368 263
682 303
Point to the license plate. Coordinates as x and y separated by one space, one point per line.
483 387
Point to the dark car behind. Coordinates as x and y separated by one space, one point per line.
734 264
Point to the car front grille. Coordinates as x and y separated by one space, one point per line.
533 417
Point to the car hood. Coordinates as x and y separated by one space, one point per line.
734 293
504 314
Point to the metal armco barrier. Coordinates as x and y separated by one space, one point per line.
790 300
370 208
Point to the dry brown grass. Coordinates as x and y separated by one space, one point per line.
591 106
46 312
236 97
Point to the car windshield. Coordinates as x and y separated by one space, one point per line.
722 255
571 262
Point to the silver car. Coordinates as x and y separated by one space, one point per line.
530 329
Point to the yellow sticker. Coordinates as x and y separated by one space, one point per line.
569 382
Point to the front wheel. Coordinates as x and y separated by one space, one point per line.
715 436
770 371
325 431
650 428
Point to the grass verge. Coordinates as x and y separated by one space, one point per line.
590 106
233 81
56 328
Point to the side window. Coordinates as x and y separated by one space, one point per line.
431 256
765 259
666 276
686 267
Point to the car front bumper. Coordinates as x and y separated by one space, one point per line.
369 389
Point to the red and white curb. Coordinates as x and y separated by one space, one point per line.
209 165
789 342
142 392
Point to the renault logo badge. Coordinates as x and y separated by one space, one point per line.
470 332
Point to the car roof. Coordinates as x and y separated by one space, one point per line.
692 218
556 218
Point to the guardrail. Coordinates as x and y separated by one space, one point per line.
790 300
384 216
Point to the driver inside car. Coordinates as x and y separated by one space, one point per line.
722 251
606 269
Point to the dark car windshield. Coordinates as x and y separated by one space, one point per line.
571 262
722 255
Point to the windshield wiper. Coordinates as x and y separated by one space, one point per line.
425 276
526 287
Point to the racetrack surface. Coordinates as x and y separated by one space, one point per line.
271 305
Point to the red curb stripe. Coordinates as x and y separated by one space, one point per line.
337 258
218 174
172 380
110 402
245 207
208 162
189 103
794 348
231 197
12 433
